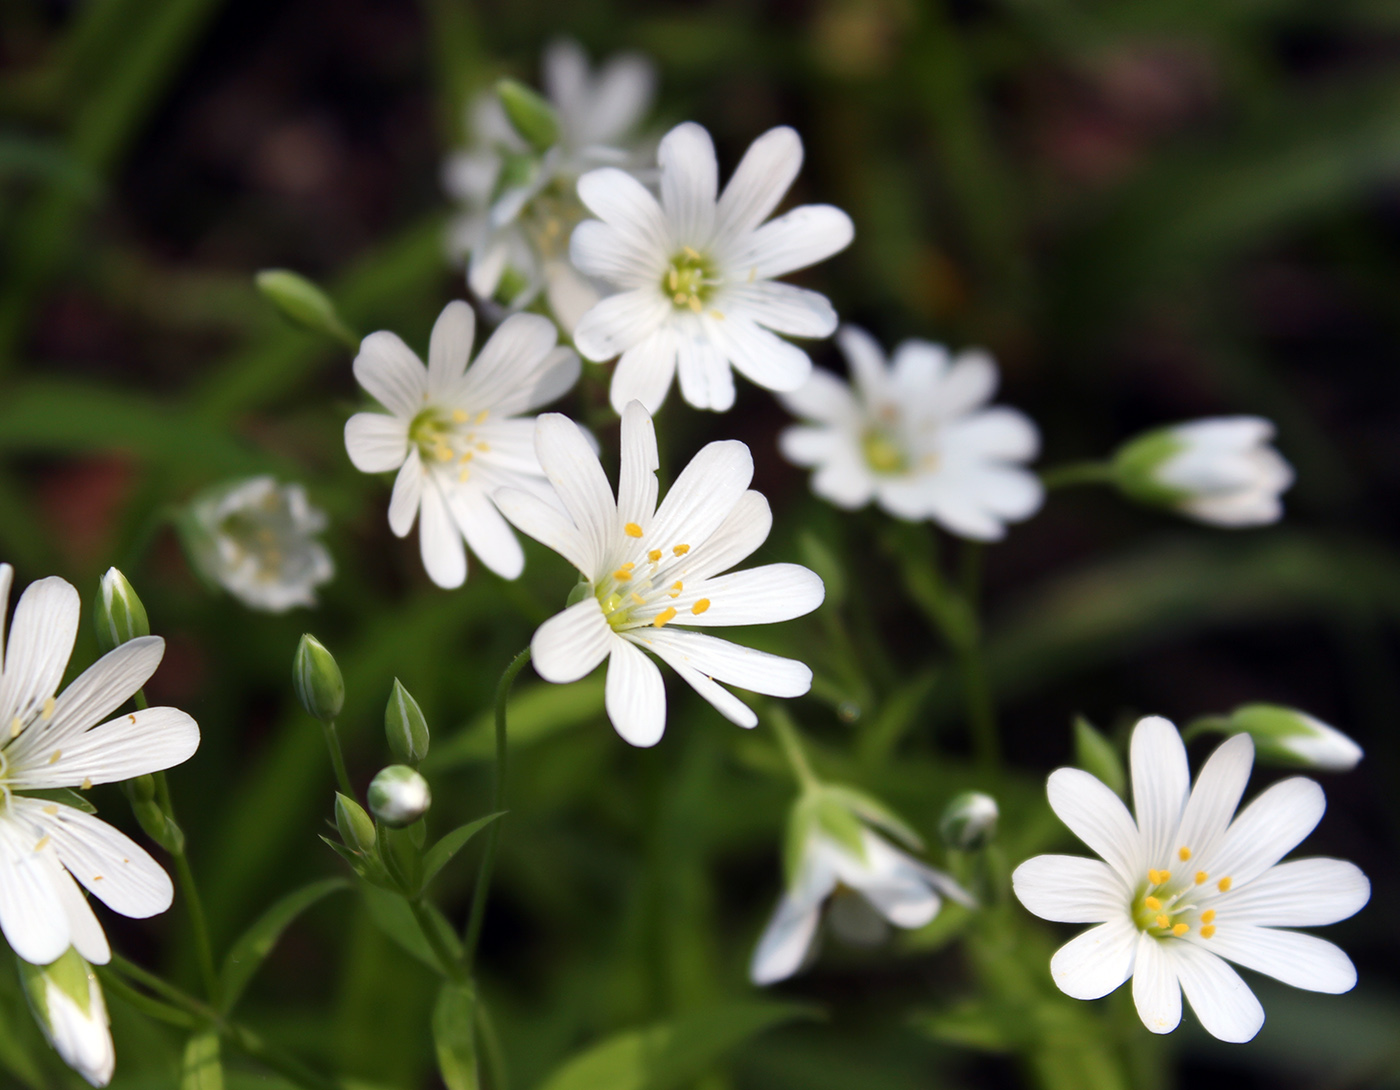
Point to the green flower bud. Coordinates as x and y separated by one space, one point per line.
399 796
405 727
356 827
119 615
317 680
530 114
1137 462
1287 736
67 1002
969 821
303 304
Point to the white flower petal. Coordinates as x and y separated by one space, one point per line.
599 250
573 469
1304 961
1299 893
999 433
635 695
637 485
706 379
738 536
1219 787
689 180
516 359
31 913
919 374
7 575
720 698
622 202
784 308
866 361
547 525
845 482
1266 830
391 374
1222 1001
794 240
407 496
41 640
85 934
109 864
621 323
803 446
766 172
785 941
644 372
762 595
1156 991
703 495
1093 964
823 398
486 531
571 644
450 347
376 442
756 671
1070 889
1098 817
131 745
763 358
967 385
1161 784
440 541
570 295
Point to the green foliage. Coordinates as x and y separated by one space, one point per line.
251 948
454 1036
201 1069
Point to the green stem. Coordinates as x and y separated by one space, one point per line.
491 1047
1077 473
337 758
451 967
786 731
498 798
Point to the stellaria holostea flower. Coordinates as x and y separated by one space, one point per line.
67 1002
694 274
1183 888
652 572
256 539
49 741
917 437
453 434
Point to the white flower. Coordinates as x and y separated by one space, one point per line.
68 1005
650 570
1220 470
897 887
916 437
47 744
695 274
1184 886
255 539
519 207
453 435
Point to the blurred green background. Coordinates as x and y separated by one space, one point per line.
1149 210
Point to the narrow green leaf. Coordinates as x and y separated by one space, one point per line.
441 852
247 954
1095 754
391 914
454 1036
201 1069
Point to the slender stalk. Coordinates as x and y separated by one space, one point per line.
981 708
1077 473
491 1048
342 778
786 731
152 1008
450 965
498 799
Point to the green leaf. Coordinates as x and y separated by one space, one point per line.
1096 755
454 1036
253 946
63 796
441 852
201 1069
536 713
391 914
872 810
671 1054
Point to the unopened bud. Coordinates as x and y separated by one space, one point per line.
303 304
1289 737
356 827
67 1003
530 114
405 727
317 680
969 821
119 615
399 796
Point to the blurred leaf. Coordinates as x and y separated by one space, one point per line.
63 795
201 1069
671 1054
454 1036
536 713
391 914
1095 754
247 954
26 157
441 852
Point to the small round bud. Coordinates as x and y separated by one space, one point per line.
119 615
405 727
356 827
317 680
969 822
399 796
530 114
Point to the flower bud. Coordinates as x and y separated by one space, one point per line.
119 615
969 821
317 680
67 1002
405 727
399 796
530 114
303 304
1289 737
356 827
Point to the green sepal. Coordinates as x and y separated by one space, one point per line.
802 820
118 614
316 677
875 812
405 727
836 820
1135 465
70 974
403 858
367 867
1096 755
304 304
530 114
62 795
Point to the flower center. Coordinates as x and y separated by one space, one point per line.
883 453
690 280
1171 905
446 438
644 591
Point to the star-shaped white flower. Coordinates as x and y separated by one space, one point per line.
453 434
49 741
1184 888
917 437
651 572
695 273
257 540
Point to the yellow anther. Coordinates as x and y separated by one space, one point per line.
15 727
87 783
664 616
1152 903
461 416
1224 884
481 416
695 304
1157 877
1180 929
465 475
1208 916
673 280
717 315
622 575
637 598
700 606
467 456
1202 878
131 716
654 555
632 530
52 811
1207 931
56 755
47 713
628 566
484 447
97 877
680 550
43 843
676 588
679 299
443 453
1183 854
691 253
753 273
1162 920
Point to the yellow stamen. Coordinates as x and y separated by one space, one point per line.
695 304
56 755
1202 877
691 253
1180 929
665 615
464 475
753 274
1152 903
443 453
1207 931
52 811
1163 921
1157 877
1208 916
679 298
1183 854
481 416
676 589
87 783
1224 884
467 456
622 575
680 550
637 598
97 877
485 448
43 843
460 416
15 727
47 713
717 316
654 555
673 279
632 530
700 606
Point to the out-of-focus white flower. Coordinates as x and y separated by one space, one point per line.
67 1003
695 272
256 539
1220 470
650 572
1183 888
519 206
49 741
917 437
453 434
